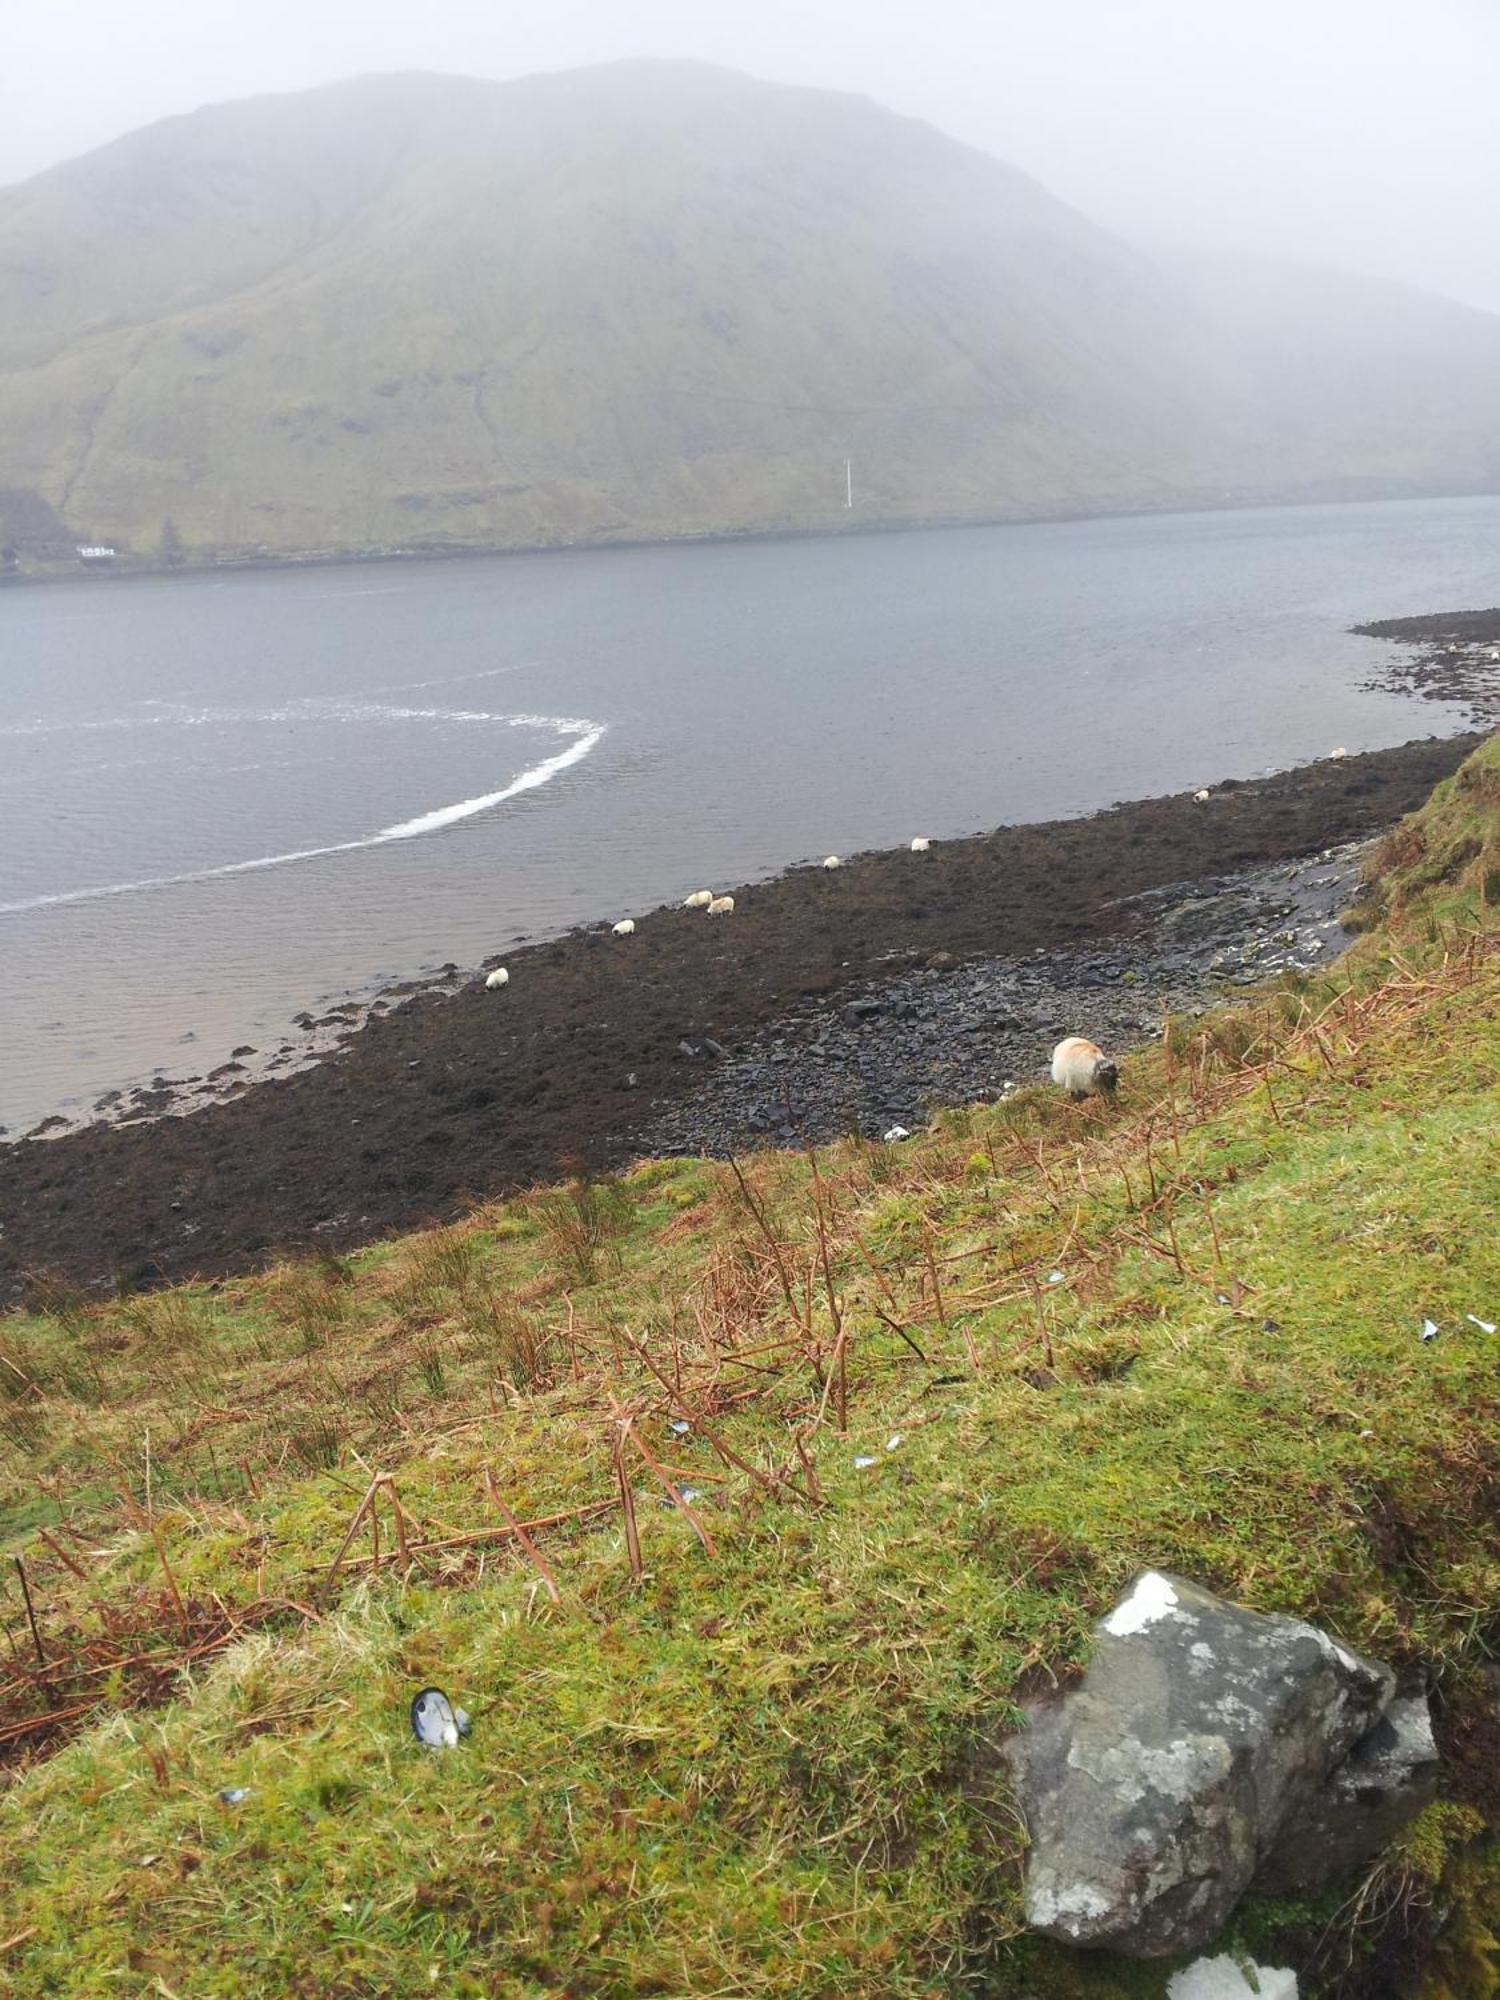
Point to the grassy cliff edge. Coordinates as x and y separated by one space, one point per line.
927 1408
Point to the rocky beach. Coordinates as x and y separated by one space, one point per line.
860 997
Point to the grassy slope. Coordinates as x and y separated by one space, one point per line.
646 300
770 1767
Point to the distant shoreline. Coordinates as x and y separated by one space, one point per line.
127 567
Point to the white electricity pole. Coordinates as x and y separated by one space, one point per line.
848 482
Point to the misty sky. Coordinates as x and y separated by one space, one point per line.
1356 132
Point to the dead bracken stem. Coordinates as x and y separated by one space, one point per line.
359 1514
166 1570
36 1637
627 1505
529 1548
765 1229
673 1491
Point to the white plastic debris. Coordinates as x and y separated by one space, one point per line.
1054 1277
896 1132
679 1427
894 1442
1429 1329
861 1463
1222 1979
235 1795
1484 1325
682 1496
435 1721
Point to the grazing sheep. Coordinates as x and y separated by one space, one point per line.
1081 1068
921 844
1340 752
1200 796
624 928
832 861
699 900
721 906
498 978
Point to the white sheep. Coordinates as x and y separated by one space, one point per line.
1340 752
921 844
721 906
624 928
1081 1068
699 900
1199 797
498 978
832 861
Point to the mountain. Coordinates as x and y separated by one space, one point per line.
642 300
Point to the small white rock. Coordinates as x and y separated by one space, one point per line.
896 1132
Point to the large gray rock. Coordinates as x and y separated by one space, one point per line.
1202 1733
1365 1801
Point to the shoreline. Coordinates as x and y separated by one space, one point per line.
832 530
456 1094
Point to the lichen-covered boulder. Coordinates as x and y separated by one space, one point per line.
1155 1789
1389 1774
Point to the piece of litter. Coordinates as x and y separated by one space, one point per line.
679 1428
434 1720
894 1442
1429 1329
1270 1326
1367 1434
235 1795
861 1463
1054 1277
896 1132
682 1495
1484 1325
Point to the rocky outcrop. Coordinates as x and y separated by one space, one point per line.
1208 1749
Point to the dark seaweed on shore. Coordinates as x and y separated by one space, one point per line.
454 1096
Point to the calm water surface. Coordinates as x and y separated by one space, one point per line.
227 798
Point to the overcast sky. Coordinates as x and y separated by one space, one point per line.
1357 132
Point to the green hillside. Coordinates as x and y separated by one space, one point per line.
644 300
748 1746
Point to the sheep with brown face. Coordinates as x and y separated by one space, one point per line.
1081 1068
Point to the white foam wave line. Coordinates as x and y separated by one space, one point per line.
585 734
178 715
